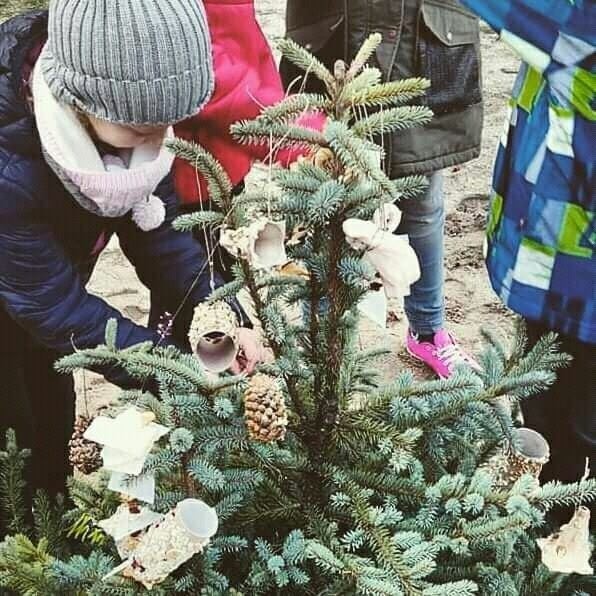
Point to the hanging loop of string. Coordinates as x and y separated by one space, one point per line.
84 379
206 235
212 246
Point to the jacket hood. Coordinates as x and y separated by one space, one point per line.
18 133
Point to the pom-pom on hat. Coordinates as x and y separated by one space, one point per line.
138 62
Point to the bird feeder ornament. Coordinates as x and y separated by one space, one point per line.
391 255
262 243
324 158
569 549
182 533
126 525
527 453
213 336
140 488
293 269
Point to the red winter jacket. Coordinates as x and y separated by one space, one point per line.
246 78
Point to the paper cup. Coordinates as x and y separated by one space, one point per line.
198 518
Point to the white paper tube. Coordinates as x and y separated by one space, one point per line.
198 518
216 351
531 445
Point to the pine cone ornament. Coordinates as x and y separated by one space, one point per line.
84 455
265 410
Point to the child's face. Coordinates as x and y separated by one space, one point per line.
123 136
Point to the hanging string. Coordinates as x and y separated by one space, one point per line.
303 78
383 162
270 175
363 115
273 148
84 378
194 283
211 247
261 105
206 235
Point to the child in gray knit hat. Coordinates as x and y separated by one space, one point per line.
123 71
132 62
88 94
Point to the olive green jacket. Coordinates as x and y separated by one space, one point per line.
436 39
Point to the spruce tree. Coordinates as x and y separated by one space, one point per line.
376 488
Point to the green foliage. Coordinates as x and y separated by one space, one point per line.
293 106
13 487
257 132
24 566
388 94
306 61
378 487
199 219
392 120
85 530
48 517
218 182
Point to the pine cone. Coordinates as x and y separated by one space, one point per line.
265 410
84 455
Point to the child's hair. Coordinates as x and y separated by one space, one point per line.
83 119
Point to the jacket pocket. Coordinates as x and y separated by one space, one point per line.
449 56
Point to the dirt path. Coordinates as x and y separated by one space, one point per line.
470 300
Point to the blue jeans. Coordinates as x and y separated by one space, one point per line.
424 221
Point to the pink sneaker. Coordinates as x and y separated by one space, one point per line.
443 355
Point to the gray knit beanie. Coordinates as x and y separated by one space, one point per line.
129 61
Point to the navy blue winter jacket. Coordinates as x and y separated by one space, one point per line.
47 240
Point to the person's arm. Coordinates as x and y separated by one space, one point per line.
176 268
172 264
546 34
556 38
42 291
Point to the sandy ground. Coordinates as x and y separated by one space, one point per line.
470 300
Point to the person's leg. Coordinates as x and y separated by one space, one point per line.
565 414
52 399
583 409
428 340
15 408
423 221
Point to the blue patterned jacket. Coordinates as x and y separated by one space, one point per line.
541 230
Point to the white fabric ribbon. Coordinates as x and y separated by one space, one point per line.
392 256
